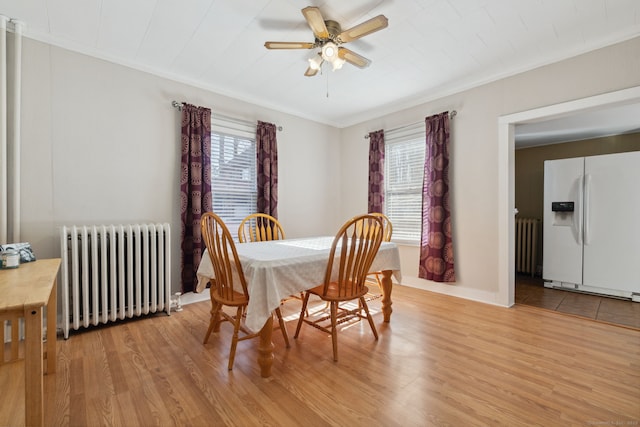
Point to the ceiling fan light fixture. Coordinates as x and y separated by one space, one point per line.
338 63
329 51
316 62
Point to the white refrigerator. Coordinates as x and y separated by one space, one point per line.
591 224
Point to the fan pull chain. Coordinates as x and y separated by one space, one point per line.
327 85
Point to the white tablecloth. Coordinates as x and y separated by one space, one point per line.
276 269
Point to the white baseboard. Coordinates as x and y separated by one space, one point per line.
453 290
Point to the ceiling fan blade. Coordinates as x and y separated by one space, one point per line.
310 72
361 30
316 22
353 58
288 45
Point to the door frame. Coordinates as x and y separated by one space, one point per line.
506 173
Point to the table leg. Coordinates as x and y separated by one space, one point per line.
265 348
386 294
33 365
52 329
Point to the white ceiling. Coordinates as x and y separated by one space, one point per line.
430 49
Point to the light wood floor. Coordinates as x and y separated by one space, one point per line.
442 361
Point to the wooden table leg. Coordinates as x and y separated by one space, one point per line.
52 329
265 348
33 365
386 295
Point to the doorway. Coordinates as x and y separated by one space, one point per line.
506 175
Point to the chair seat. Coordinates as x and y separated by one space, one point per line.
238 299
333 293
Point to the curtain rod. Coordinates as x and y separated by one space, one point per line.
452 114
178 105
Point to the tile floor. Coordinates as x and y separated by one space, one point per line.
531 291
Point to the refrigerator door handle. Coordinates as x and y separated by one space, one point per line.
587 196
578 214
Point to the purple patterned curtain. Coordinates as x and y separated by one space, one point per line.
195 188
376 171
267 152
436 245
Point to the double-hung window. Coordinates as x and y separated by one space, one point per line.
403 177
233 171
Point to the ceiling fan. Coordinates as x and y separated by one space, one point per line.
329 37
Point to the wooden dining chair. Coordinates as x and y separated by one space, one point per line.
228 286
352 252
259 227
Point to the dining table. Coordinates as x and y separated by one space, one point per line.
276 269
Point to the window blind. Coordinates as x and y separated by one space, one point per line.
233 171
403 176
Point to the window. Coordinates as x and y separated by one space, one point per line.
233 172
403 176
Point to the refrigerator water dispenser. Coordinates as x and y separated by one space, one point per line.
562 213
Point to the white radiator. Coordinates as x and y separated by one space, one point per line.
114 272
526 245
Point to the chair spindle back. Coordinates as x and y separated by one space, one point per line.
229 278
259 227
354 249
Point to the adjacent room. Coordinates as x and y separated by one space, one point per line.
153 154
541 162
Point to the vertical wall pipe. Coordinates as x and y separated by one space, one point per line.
3 130
16 140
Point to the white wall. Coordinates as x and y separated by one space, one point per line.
477 188
101 145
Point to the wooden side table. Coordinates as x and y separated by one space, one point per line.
24 292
